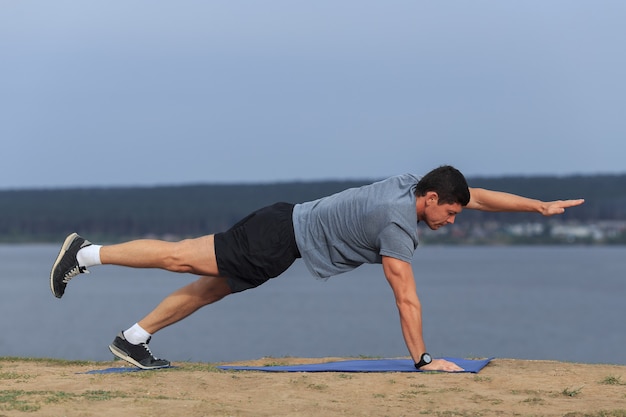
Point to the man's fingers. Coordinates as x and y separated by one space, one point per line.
572 203
452 367
442 365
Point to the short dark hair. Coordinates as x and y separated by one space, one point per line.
448 183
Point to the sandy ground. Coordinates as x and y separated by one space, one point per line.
504 388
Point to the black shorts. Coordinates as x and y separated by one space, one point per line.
259 247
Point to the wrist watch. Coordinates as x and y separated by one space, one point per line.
425 359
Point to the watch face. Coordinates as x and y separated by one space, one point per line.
427 358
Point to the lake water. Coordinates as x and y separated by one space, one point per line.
563 303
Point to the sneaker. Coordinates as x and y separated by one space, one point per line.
66 266
139 355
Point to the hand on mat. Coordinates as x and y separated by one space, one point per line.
441 365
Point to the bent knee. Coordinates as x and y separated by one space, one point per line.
211 289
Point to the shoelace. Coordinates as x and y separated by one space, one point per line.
77 269
147 348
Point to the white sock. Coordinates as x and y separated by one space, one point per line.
136 334
89 256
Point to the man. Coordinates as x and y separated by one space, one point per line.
376 223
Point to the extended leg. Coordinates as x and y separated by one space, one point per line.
196 256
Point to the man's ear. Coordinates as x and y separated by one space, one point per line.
432 197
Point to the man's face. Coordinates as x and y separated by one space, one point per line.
438 215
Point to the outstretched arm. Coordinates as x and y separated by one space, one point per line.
400 276
488 200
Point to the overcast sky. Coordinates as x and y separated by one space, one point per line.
109 93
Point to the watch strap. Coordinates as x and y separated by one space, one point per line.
425 359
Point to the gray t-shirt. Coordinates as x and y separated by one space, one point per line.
337 233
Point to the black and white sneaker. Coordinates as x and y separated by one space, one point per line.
66 266
139 355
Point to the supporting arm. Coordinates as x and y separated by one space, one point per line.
400 276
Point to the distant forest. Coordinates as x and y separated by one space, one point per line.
114 214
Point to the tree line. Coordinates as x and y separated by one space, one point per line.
116 213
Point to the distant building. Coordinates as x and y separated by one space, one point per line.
573 232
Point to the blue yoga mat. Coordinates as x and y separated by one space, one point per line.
362 365
121 370
357 365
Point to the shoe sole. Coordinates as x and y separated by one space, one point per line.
66 244
120 354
